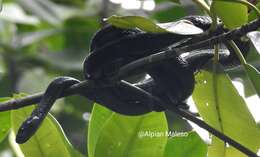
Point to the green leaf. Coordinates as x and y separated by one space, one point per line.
252 73
225 110
231 13
191 146
5 121
49 140
253 15
129 22
254 76
99 117
120 136
180 27
255 40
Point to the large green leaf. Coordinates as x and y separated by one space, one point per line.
255 40
99 117
222 107
231 13
191 146
49 140
116 135
254 76
135 21
179 27
5 122
252 72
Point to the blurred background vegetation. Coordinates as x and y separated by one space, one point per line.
42 39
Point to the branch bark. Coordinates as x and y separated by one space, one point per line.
134 67
35 98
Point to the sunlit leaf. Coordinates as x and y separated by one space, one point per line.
255 39
188 145
182 27
225 110
49 140
254 76
253 73
119 136
231 13
99 117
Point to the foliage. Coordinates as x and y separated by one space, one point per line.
43 39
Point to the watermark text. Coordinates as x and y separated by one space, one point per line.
155 134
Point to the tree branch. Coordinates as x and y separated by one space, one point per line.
35 98
88 85
142 63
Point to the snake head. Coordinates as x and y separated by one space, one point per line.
27 129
